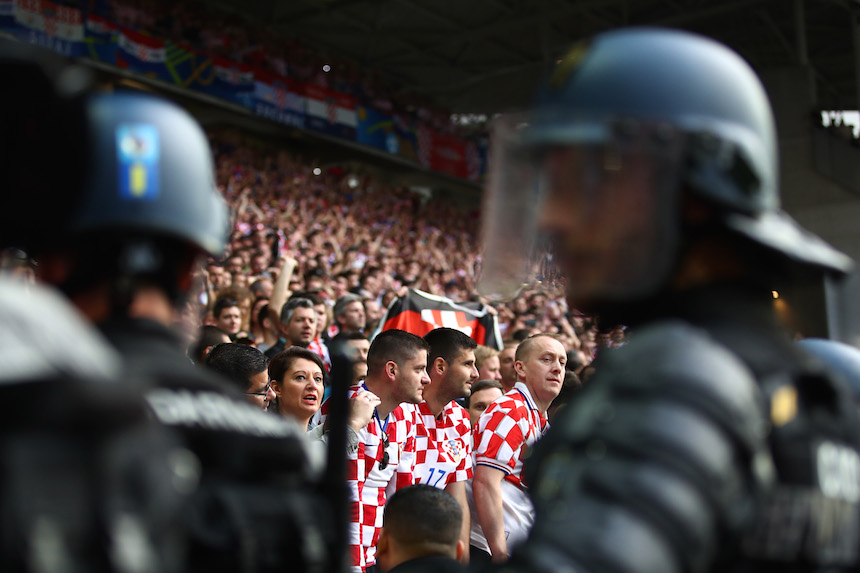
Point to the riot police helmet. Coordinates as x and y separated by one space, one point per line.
625 125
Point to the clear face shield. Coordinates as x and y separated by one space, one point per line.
593 205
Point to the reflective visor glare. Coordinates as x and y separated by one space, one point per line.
511 199
602 213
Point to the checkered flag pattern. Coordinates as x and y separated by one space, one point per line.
368 482
506 430
443 446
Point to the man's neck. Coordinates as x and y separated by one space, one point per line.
435 402
387 402
539 404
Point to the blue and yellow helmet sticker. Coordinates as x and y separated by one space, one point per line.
568 64
138 161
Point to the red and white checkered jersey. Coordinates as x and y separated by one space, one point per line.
369 485
318 346
505 431
503 434
443 446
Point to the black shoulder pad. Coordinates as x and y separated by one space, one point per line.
677 361
670 433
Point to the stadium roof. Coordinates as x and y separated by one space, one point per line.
484 56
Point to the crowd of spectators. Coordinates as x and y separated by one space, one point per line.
342 232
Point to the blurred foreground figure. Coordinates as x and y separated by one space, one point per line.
708 442
133 211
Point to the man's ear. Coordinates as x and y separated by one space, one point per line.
439 365
461 550
520 369
391 369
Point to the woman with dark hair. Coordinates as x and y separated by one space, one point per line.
298 380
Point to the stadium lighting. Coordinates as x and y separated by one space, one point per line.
317 170
326 68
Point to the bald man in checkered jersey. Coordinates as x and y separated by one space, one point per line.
502 436
443 437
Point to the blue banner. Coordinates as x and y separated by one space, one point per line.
227 80
376 129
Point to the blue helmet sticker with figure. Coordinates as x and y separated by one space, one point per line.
138 161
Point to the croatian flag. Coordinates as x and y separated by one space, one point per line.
58 28
331 112
142 53
278 98
232 81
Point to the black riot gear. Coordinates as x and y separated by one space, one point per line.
708 442
242 490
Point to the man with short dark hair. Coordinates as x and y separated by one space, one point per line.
296 326
208 336
484 393
227 315
420 532
385 458
246 367
443 441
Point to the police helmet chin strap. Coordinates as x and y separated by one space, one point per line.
143 261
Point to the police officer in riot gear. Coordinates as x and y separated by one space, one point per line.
139 210
707 443
88 482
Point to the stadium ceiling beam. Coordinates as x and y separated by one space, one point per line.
714 10
475 79
328 43
315 10
462 30
588 8
511 20
792 52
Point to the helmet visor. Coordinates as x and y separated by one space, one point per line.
594 205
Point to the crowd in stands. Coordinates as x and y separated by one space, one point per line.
370 239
